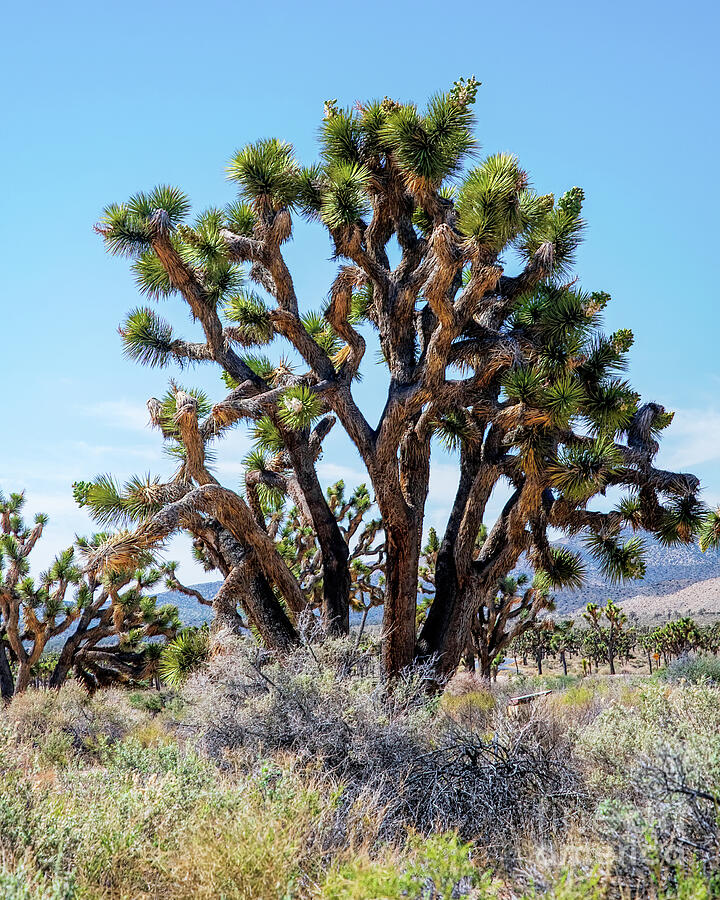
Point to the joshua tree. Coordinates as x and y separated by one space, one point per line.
102 621
564 640
512 370
506 615
609 636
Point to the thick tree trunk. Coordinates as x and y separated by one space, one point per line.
7 687
67 654
469 658
402 550
24 674
247 586
458 594
485 660
64 664
334 550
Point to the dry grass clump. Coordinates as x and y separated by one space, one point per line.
71 712
405 759
308 779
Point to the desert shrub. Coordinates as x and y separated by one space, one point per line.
655 770
22 883
56 748
694 668
402 760
438 867
71 711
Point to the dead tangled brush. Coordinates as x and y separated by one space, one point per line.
402 758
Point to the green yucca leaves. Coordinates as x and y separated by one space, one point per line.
260 365
630 511
618 561
165 197
310 185
560 230
566 569
184 655
562 312
524 385
124 234
168 406
240 218
267 435
146 337
455 428
428 149
683 518
151 277
112 504
610 405
709 531
341 139
581 471
344 199
126 227
299 407
266 172
603 358
253 324
563 399
320 330
488 203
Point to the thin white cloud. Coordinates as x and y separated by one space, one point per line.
693 439
121 413
330 472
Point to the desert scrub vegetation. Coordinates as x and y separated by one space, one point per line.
304 778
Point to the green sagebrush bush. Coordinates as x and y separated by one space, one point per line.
694 668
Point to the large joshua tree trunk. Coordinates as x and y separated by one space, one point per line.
402 552
6 679
403 514
334 549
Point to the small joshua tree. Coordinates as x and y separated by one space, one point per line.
512 370
608 636
102 620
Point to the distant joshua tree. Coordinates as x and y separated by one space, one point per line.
103 620
606 638
511 371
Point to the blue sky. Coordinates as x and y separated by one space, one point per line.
102 100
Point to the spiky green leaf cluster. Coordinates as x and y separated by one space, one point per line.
299 407
321 331
618 560
583 470
565 570
266 173
494 204
267 435
253 323
556 235
709 531
683 517
120 505
455 428
344 199
146 337
126 227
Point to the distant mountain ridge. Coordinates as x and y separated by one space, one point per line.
679 580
